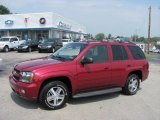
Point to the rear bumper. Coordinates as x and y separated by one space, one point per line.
145 76
26 91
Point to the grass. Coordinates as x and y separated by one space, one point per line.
150 55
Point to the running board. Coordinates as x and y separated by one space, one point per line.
99 92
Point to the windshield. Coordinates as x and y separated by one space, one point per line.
26 43
69 52
4 39
48 41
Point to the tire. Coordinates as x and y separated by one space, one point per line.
132 85
29 49
54 95
6 49
39 51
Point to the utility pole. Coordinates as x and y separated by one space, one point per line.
149 28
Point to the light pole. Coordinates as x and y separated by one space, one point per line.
149 28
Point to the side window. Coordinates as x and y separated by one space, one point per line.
12 39
119 52
137 53
98 53
15 39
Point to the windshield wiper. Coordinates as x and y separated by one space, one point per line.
58 58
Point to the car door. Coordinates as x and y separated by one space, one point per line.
12 43
120 63
97 74
15 42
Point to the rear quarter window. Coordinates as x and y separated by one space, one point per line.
136 52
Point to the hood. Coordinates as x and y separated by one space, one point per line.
33 64
46 43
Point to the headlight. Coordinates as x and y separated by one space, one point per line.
25 47
26 77
39 46
49 46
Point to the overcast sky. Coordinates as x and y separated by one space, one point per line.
118 17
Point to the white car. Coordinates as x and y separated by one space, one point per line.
9 42
66 41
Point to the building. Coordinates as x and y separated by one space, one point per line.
36 26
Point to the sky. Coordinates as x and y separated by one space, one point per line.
116 17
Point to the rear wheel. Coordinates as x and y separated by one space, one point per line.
6 49
54 95
39 51
132 85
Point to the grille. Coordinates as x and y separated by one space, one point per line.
16 74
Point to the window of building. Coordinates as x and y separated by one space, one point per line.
98 53
137 53
119 52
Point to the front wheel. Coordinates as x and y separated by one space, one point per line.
54 95
29 49
6 49
132 85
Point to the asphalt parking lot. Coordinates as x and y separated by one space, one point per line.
145 105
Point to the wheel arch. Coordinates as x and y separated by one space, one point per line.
63 79
138 73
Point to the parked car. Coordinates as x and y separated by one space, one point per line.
76 40
9 42
50 45
155 51
66 41
28 46
79 70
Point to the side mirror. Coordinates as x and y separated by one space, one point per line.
86 60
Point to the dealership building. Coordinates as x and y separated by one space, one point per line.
36 26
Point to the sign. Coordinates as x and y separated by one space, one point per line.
64 26
9 22
42 20
26 19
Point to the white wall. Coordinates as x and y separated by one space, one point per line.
52 21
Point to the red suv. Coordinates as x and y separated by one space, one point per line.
80 70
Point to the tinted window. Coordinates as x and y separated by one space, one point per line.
119 53
137 53
98 53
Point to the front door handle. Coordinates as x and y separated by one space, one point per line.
106 68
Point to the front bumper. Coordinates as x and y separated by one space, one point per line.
22 49
24 90
45 49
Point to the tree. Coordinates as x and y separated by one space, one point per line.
100 36
4 10
109 36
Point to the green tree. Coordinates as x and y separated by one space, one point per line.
109 36
100 36
4 10
141 39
